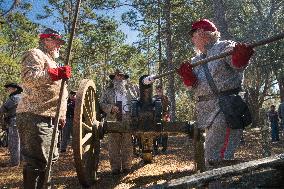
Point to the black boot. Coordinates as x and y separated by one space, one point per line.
164 143
33 178
30 178
40 181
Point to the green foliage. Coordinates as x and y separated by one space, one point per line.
99 48
185 110
252 21
17 35
9 72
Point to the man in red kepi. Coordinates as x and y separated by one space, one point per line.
41 81
213 84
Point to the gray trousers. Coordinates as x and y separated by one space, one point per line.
35 134
120 151
14 145
221 141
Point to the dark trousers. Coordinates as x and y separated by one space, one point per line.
161 140
67 132
274 131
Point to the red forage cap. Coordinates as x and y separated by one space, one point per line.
204 24
50 33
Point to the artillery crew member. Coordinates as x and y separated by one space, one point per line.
163 138
115 102
9 111
212 83
68 128
41 81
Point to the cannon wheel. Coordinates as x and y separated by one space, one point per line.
86 142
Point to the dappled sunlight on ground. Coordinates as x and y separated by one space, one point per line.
177 162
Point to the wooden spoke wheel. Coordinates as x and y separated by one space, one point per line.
86 142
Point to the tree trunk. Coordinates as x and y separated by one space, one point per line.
104 83
281 87
253 103
160 42
220 19
169 54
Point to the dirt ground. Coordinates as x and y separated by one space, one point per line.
177 162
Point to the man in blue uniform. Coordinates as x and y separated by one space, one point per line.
9 110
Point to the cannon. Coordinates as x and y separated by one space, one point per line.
89 128
146 123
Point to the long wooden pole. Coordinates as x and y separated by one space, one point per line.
199 179
227 53
59 106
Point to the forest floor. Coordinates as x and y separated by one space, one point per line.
176 162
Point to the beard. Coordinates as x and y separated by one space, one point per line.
120 86
55 53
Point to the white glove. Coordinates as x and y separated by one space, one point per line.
149 80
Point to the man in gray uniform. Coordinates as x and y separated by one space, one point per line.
209 82
162 139
9 109
115 103
41 81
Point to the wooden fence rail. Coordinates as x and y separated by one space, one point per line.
223 172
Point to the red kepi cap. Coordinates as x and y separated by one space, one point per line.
204 24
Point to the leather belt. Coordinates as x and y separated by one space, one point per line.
222 93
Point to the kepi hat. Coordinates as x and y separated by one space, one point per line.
118 72
204 24
14 85
50 33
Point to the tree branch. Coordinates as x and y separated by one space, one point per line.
15 4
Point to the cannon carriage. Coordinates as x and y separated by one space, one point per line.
89 128
145 122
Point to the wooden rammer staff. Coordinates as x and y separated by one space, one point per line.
151 79
59 106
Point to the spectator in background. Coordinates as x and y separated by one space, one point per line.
68 129
273 118
9 111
